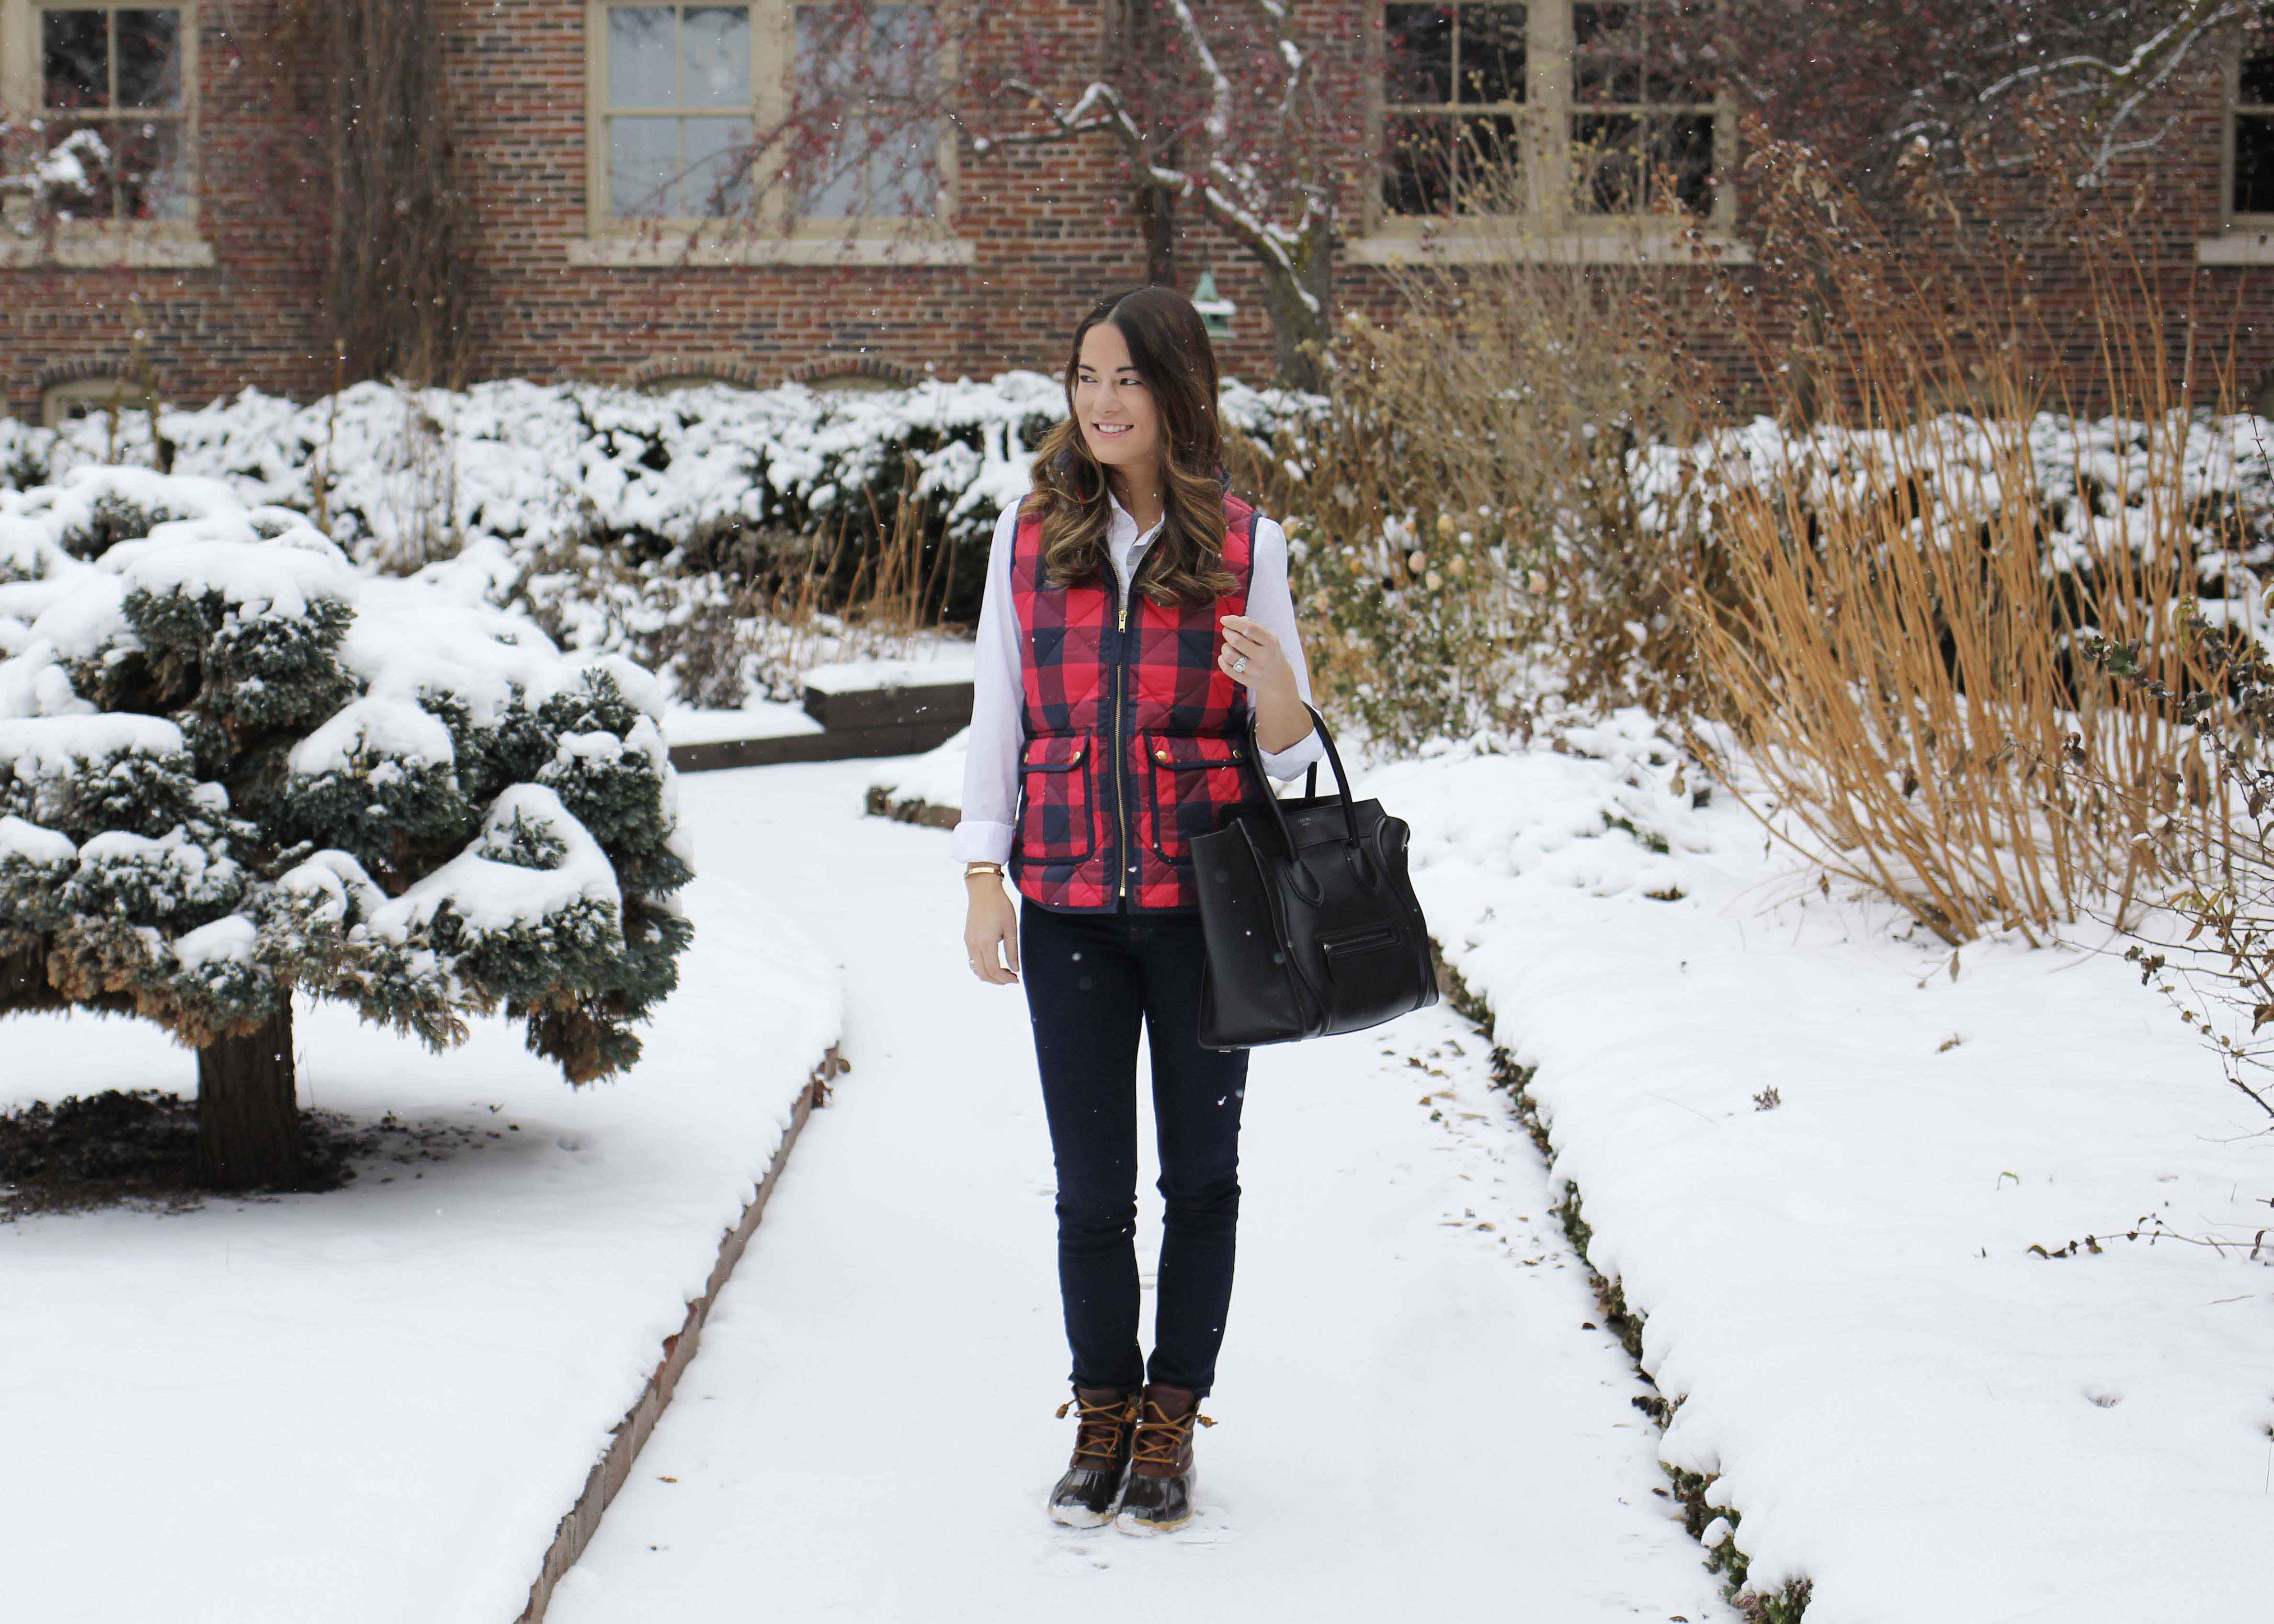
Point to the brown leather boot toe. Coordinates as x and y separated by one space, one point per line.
1085 1496
1158 1496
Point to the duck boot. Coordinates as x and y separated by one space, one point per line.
1159 1494
1101 1442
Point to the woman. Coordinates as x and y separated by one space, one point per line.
1134 611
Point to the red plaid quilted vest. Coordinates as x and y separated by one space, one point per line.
1134 737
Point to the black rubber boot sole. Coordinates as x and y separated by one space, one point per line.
1086 1498
1155 1505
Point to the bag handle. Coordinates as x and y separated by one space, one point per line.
1271 797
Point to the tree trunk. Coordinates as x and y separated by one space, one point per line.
1298 331
248 1116
1157 219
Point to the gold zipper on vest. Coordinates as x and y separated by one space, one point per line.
1120 818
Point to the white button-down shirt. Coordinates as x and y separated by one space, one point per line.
991 767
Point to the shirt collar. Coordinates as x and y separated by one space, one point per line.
1124 530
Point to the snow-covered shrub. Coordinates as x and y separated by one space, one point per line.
616 515
232 765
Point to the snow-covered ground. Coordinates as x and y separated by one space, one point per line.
375 1404
1815 1149
1418 1415
757 718
937 662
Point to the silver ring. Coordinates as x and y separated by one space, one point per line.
1240 664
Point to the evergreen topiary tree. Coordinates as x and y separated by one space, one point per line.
230 767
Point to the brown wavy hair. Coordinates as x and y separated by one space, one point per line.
1170 349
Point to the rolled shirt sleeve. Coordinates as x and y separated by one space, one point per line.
991 760
1270 601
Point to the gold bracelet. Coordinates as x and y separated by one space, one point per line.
973 868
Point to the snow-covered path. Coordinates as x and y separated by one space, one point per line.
1415 1413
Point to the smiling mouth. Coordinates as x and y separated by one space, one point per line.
1111 428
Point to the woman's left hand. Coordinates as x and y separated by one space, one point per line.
1252 654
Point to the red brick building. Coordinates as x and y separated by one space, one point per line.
570 118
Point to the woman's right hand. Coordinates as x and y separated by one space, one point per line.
990 924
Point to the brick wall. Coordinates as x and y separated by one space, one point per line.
248 318
1054 227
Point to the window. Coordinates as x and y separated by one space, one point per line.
794 113
850 382
2251 190
1454 87
83 397
666 382
105 91
681 110
873 153
1575 114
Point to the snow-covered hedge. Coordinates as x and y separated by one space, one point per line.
617 516
1444 621
2099 485
231 764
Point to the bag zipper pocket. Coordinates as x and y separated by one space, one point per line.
1362 939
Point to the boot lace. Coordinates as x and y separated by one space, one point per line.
1099 1428
1162 1437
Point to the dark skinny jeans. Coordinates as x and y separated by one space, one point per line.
1090 978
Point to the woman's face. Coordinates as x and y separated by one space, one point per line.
1120 421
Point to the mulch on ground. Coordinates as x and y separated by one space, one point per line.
138 1149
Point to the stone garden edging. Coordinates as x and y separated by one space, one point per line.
631 1434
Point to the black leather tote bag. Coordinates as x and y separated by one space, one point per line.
1310 921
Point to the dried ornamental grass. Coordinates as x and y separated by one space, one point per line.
1900 654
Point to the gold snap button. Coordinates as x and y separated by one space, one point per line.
1160 755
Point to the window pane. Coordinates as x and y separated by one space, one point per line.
75 58
1682 156
1492 53
2257 86
1491 165
1607 55
1417 54
715 43
642 68
903 43
643 167
150 160
871 151
150 58
1598 78
824 50
1417 165
717 167
878 170
83 188
1681 55
904 173
2253 164
1605 163
1674 84
1605 27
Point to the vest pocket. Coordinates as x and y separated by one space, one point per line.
1055 825
1196 779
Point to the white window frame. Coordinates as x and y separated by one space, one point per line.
1549 229
2260 220
2241 239
156 243
610 239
